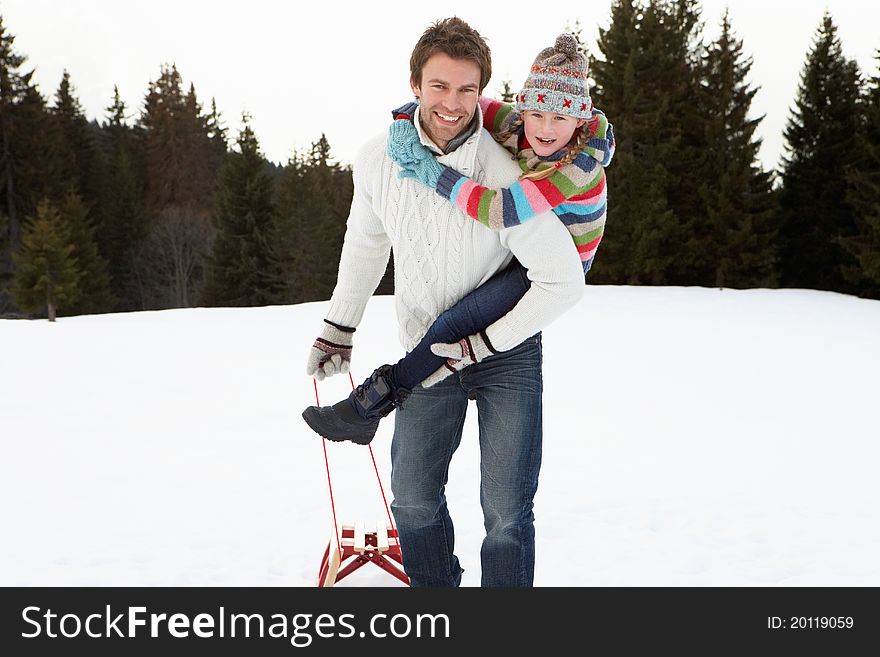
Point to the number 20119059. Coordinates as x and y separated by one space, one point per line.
810 622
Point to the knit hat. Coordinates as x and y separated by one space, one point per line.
558 81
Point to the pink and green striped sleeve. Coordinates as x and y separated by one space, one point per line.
495 114
581 180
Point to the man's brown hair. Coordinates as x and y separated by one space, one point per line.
458 40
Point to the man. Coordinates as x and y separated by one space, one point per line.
440 255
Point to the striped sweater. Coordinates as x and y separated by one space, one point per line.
577 192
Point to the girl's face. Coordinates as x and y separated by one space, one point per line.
547 132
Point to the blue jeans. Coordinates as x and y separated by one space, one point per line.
476 311
507 388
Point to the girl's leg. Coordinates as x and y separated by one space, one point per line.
357 417
475 312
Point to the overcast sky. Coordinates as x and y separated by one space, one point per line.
303 68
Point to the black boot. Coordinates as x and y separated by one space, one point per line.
357 417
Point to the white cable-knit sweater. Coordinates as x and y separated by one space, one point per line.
441 254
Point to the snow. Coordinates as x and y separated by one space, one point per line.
692 437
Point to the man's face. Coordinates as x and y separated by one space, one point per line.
448 92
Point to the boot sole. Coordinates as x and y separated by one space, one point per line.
311 419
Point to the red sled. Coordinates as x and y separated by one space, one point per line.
379 547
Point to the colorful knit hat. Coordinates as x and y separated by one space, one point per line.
558 81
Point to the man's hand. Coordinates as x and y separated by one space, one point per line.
331 352
459 355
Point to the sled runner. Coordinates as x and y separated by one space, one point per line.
359 545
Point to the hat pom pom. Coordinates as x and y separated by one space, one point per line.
566 43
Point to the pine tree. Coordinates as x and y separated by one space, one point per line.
671 198
739 230
820 146
46 152
863 195
680 73
288 225
642 83
122 203
612 72
47 275
181 168
4 246
614 93
14 85
27 165
207 137
182 165
35 148
313 200
75 148
94 281
241 270
329 190
506 93
217 131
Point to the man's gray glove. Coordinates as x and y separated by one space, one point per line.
331 352
459 355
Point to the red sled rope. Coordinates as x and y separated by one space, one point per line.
368 547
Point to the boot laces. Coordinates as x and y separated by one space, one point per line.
375 402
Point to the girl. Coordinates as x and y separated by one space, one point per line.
562 145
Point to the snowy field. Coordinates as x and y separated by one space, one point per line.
698 437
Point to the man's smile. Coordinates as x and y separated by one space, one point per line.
446 118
